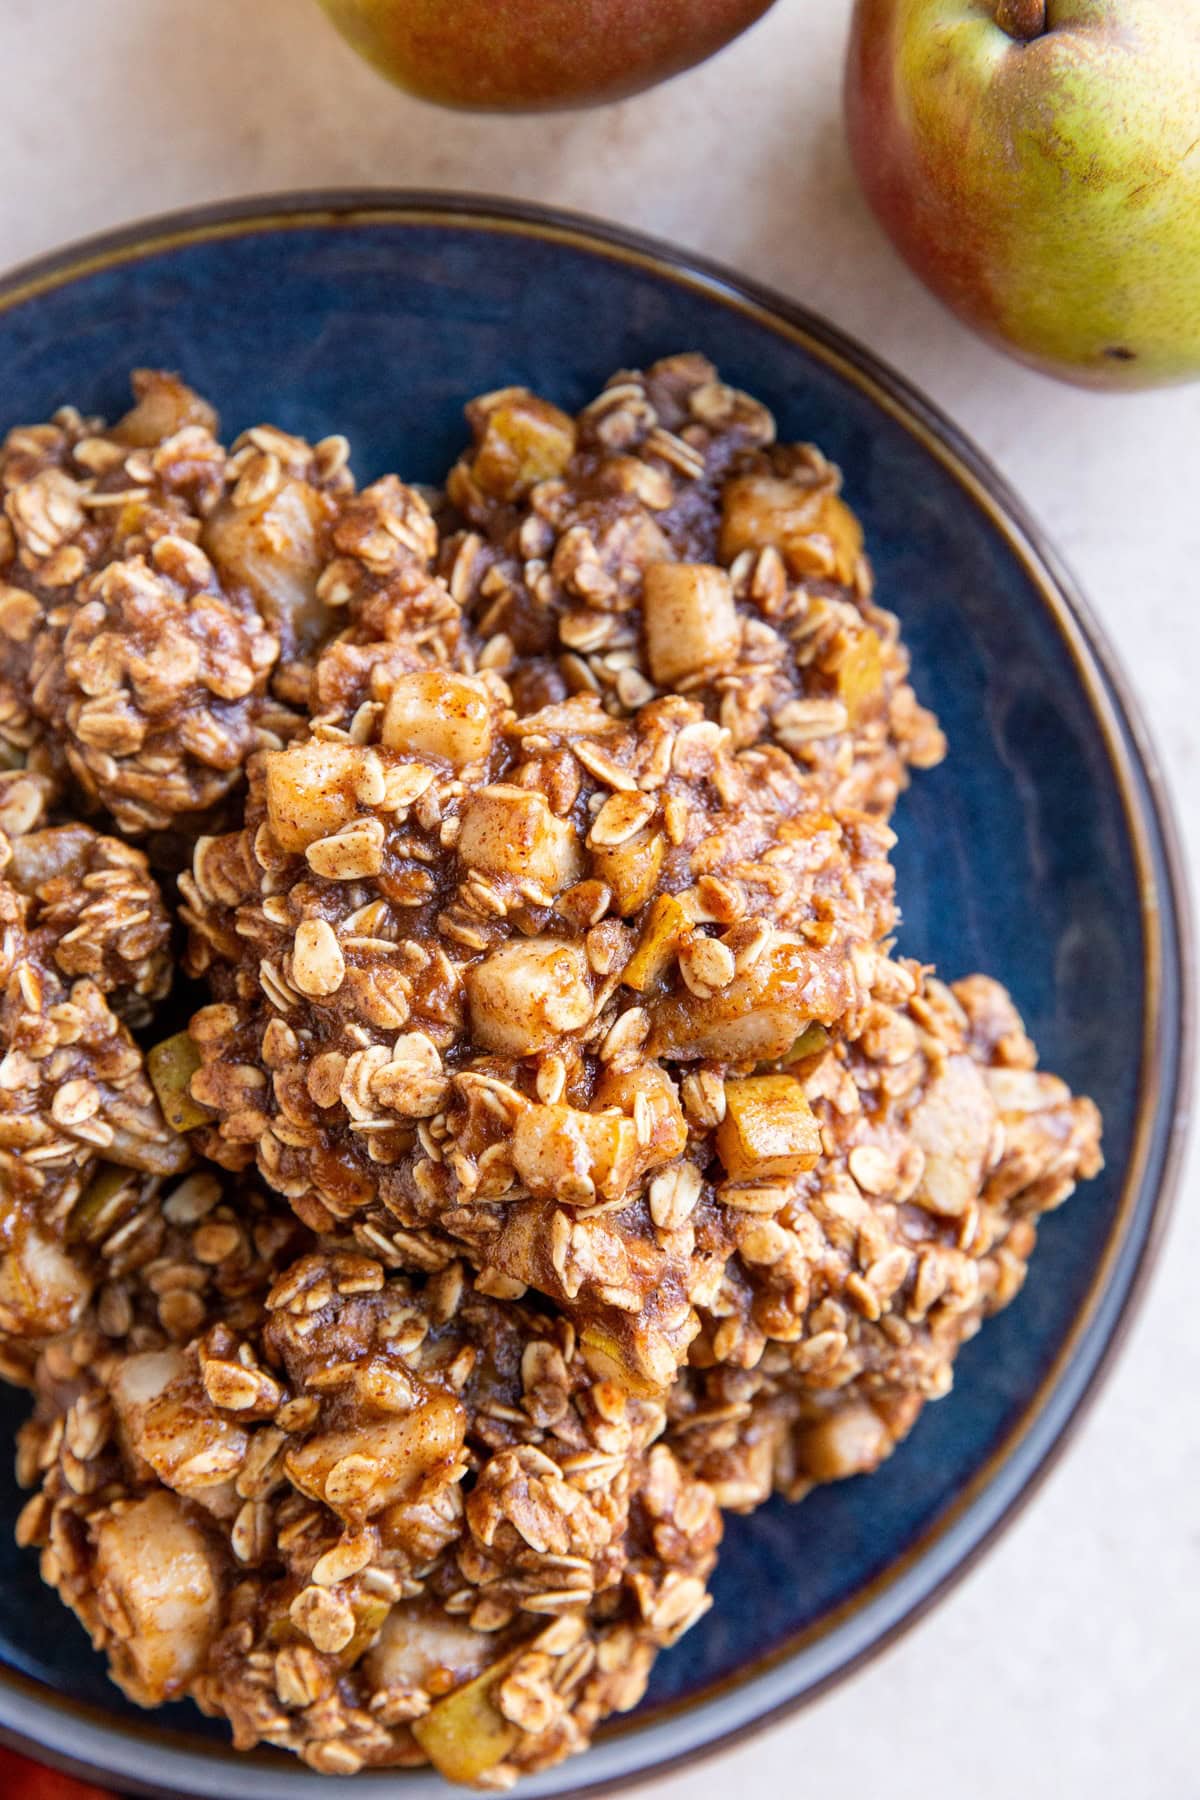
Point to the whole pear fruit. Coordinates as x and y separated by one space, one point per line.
530 55
1038 164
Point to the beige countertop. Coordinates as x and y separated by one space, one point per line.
1064 1665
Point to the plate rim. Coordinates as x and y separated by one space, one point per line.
1161 1121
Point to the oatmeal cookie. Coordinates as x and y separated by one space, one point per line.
372 1518
84 954
150 587
475 974
842 1310
664 542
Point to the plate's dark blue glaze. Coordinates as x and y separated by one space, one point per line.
1037 852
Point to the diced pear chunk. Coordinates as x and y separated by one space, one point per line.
370 1613
562 1153
512 831
43 1289
162 406
525 440
610 1360
466 1734
170 1066
853 1440
811 1042
768 1128
277 549
361 1468
758 1017
165 1421
155 1571
59 853
417 1640
691 620
662 933
527 993
647 1090
92 1217
631 869
140 1379
432 713
311 791
860 675
814 531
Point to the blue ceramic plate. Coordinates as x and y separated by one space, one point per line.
1041 852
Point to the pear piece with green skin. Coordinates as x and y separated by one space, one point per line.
531 55
1037 162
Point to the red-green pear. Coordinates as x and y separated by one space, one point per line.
529 55
1038 164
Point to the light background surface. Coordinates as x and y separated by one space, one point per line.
1066 1664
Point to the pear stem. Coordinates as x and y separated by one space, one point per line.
1022 19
